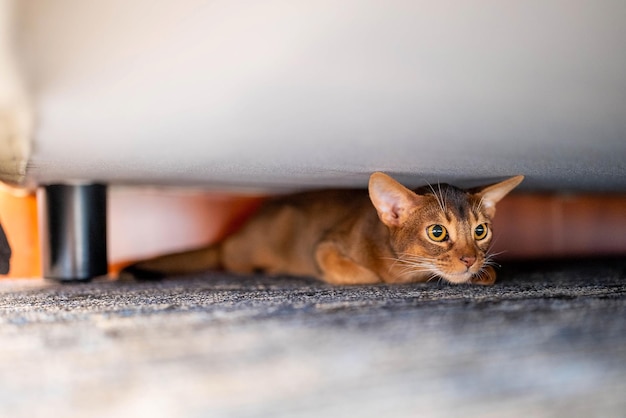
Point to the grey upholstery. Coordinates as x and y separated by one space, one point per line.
280 94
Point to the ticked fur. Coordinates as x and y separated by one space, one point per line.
389 235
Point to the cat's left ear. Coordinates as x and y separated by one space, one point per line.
490 195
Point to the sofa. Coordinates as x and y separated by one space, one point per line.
268 97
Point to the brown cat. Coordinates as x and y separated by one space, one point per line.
394 235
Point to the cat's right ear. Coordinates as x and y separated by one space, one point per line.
392 201
490 195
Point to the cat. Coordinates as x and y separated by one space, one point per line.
349 237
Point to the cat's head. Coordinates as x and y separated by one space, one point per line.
439 231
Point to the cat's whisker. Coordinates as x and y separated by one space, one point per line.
415 262
490 258
493 255
413 257
412 268
432 277
394 264
480 274
412 265
443 200
401 260
497 253
439 279
479 204
418 268
492 263
439 201
484 275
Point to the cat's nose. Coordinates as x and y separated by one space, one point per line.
468 260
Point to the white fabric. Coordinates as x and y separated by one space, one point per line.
279 93
15 109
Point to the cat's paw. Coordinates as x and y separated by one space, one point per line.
486 277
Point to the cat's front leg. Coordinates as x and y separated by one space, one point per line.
486 277
337 268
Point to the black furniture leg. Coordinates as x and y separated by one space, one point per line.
73 229
5 253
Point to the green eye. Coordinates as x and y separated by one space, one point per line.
437 233
481 232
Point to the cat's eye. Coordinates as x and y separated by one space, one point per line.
480 232
437 233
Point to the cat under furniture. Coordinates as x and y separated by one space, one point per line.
388 234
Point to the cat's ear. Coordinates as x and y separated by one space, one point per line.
392 201
490 195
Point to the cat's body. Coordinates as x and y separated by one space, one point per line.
390 235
